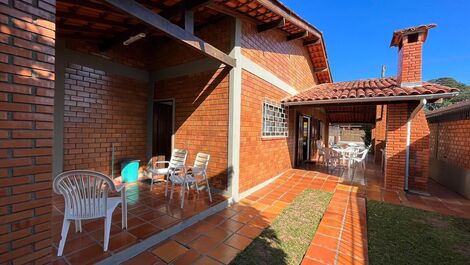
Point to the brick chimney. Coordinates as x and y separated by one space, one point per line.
410 51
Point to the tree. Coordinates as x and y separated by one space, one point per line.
464 93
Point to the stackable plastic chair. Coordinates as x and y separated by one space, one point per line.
86 197
176 165
360 157
199 169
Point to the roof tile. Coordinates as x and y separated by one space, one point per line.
379 87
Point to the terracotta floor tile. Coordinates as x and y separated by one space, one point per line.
88 255
309 261
227 213
203 244
249 231
215 219
202 227
149 216
186 236
187 258
321 254
169 251
121 240
206 261
325 241
218 234
328 231
224 253
79 243
260 222
144 231
142 258
238 241
164 221
231 225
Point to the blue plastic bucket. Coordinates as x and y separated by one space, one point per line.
130 170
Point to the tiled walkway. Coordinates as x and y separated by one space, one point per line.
149 213
440 199
219 238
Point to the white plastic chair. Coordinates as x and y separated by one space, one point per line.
176 165
360 157
86 197
332 157
198 169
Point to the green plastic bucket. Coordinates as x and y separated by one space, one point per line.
130 170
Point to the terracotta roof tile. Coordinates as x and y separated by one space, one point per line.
380 87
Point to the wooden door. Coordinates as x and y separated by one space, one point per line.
162 129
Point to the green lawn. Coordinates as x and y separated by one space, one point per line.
290 234
403 235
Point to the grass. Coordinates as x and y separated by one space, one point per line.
290 234
403 235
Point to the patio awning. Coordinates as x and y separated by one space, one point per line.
380 90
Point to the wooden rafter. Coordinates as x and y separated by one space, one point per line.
271 25
160 23
298 35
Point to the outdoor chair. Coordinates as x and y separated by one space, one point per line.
85 194
199 169
321 151
331 157
360 157
176 165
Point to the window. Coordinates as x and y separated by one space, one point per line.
274 120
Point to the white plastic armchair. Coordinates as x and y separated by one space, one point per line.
85 194
175 166
360 157
199 169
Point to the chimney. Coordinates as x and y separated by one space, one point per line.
410 51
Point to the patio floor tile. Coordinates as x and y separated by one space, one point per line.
224 253
249 231
121 240
142 258
238 241
186 236
88 255
144 231
169 251
187 258
231 225
218 234
203 244
321 254
206 261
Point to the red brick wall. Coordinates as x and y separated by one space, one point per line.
409 61
201 110
397 116
289 61
419 152
378 133
260 158
27 39
450 142
102 109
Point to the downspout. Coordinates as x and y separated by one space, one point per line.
408 140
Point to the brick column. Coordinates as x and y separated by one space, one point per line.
419 152
378 132
27 40
397 115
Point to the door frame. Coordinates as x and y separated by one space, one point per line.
173 119
300 116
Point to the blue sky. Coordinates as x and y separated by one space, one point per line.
358 33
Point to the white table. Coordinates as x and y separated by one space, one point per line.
346 154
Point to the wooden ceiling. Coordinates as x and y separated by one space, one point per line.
95 21
351 114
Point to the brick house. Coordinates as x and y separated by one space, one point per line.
246 81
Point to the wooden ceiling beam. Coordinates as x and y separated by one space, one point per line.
160 23
296 36
232 13
312 42
272 25
95 20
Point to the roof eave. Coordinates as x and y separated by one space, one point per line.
372 99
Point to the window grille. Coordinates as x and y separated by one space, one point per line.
274 120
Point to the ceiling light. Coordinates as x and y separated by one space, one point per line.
134 39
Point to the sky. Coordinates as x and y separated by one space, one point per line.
358 32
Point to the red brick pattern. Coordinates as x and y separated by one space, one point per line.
378 133
419 152
27 39
409 61
260 158
99 110
450 142
397 115
289 61
201 110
